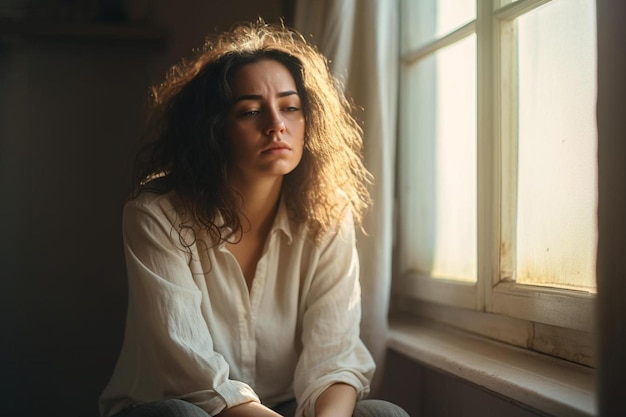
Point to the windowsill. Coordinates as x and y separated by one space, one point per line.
546 384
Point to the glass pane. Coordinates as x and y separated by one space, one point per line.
425 20
439 129
557 177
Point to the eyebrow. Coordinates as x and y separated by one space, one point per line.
260 97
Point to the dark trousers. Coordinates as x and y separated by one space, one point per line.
180 408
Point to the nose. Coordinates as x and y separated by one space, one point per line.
275 123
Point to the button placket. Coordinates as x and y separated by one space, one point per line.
248 346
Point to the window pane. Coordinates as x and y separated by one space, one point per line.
425 20
439 160
556 210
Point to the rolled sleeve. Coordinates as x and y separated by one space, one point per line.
332 349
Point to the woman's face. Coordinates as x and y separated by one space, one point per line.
266 122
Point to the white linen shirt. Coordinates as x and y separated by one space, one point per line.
195 332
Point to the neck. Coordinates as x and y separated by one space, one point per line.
260 203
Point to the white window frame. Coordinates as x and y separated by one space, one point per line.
536 312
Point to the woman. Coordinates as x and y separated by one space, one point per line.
244 296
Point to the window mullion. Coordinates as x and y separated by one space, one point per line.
511 10
488 157
507 129
436 44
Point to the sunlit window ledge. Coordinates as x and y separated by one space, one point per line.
549 385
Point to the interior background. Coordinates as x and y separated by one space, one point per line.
71 113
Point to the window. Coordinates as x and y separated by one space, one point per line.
497 168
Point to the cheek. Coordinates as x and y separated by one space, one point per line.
241 137
237 146
301 130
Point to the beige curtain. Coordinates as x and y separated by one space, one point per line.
361 40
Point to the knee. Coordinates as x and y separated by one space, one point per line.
167 408
378 408
180 408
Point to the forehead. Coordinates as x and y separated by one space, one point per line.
263 76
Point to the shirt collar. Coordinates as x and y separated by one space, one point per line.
282 220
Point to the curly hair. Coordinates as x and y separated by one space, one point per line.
189 149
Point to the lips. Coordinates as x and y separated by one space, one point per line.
276 148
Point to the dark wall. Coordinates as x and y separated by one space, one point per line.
71 112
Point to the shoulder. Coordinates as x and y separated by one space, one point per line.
154 198
157 220
341 234
343 225
149 208
152 201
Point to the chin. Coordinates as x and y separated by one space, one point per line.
282 168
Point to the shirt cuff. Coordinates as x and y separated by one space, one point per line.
234 393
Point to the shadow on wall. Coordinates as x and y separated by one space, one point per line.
422 391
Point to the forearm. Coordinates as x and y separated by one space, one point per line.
250 409
338 400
